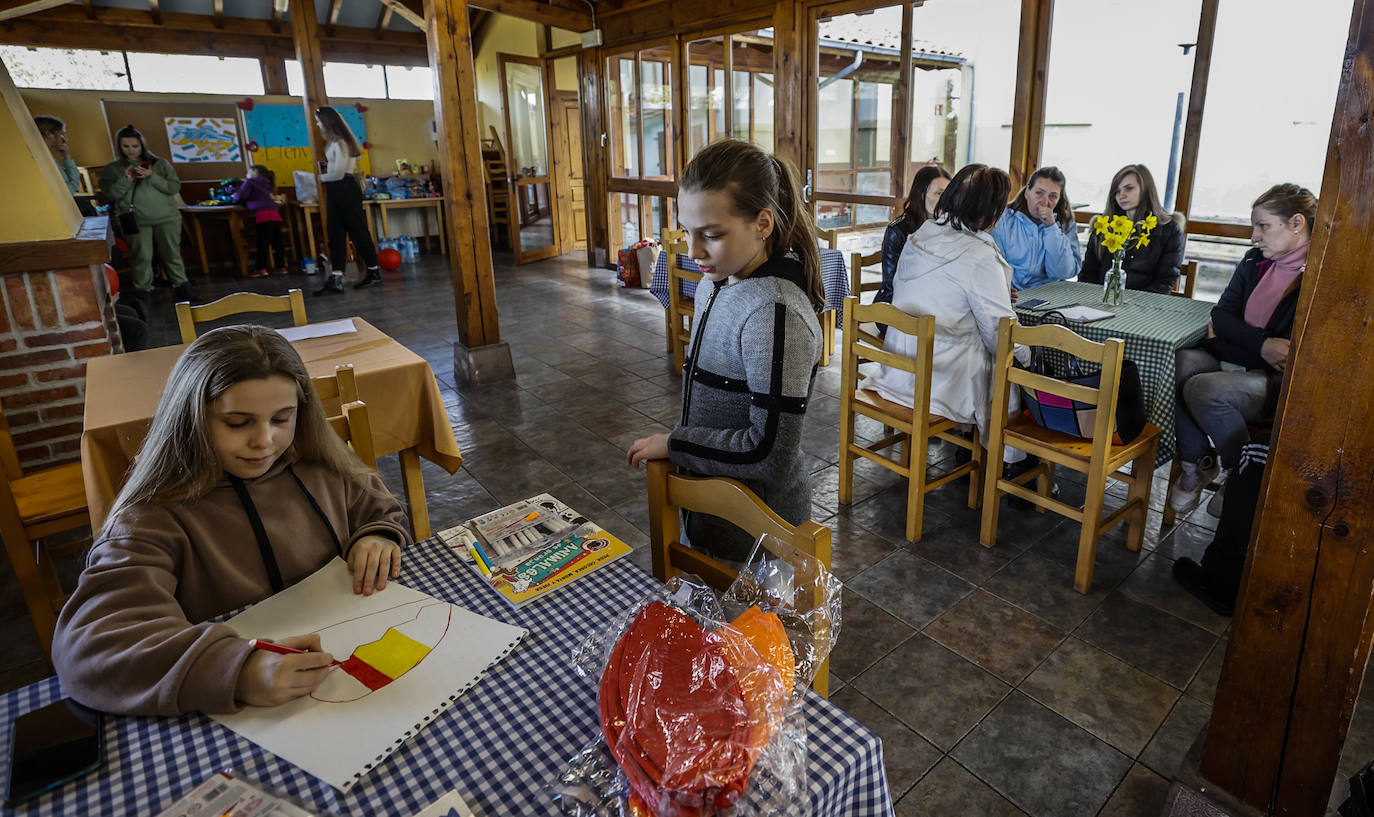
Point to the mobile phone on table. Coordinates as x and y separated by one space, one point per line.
1031 303
51 746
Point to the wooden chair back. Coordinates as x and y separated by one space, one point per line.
32 507
670 493
857 262
678 317
1097 457
351 423
827 238
1186 284
912 426
188 316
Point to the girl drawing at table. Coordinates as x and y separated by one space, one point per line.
240 489
757 339
256 193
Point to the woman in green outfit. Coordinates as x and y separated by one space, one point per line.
140 183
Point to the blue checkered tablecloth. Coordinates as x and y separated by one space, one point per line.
1153 326
499 746
834 275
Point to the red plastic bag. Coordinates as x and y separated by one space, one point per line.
628 268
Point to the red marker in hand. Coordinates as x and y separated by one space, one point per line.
280 649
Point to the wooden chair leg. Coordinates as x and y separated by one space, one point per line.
1090 529
978 474
26 571
1142 478
1174 471
827 335
987 534
918 449
414 484
668 327
846 492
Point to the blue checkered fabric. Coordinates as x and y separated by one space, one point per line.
499 746
834 275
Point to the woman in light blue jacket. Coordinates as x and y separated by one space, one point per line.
1036 234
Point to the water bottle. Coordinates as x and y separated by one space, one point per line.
409 251
308 266
414 245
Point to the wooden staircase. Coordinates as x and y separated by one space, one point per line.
498 189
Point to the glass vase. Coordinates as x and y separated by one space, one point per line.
1114 284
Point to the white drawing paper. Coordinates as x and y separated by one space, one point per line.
406 657
343 326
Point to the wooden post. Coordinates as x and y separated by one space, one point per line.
1028 111
306 36
902 107
591 74
464 175
1301 635
790 97
1197 98
273 76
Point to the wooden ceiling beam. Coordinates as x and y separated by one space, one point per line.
335 6
569 14
218 13
275 22
89 8
10 9
409 10
383 20
155 12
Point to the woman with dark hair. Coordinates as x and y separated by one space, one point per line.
926 187
951 269
1233 378
1154 267
1037 235
145 185
344 202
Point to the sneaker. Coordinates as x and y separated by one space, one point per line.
279 271
333 285
1215 503
258 273
370 277
1193 477
1191 576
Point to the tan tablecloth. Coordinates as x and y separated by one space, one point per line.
403 403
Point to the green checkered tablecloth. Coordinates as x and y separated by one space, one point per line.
1154 328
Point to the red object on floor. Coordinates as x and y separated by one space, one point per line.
112 278
389 259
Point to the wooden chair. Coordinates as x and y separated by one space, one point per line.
678 317
188 316
914 425
671 492
828 238
1187 280
351 423
857 262
1098 457
33 507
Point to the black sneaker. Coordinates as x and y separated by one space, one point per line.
333 285
1191 575
370 277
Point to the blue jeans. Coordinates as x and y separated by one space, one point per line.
1216 404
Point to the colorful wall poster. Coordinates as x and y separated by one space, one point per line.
278 140
196 139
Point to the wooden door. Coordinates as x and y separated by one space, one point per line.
534 216
570 170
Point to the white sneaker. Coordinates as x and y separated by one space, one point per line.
1193 477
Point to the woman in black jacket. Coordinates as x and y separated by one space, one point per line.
1154 267
926 187
1234 377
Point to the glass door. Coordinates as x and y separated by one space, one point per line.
534 218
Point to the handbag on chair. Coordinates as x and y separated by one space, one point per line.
1073 417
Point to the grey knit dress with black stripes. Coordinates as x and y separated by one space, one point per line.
746 383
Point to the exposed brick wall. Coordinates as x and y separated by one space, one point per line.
51 323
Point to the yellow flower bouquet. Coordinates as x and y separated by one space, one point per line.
1117 233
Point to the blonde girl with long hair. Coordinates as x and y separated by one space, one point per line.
239 490
344 199
756 341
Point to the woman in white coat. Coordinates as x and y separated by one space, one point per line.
952 269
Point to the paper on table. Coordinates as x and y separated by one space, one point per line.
450 805
318 330
1082 314
407 657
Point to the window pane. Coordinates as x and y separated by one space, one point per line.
1090 137
406 82
188 73
624 117
349 79
763 111
831 215
835 135
65 68
295 78
625 218
525 96
705 92
656 89
740 129
939 118
1265 122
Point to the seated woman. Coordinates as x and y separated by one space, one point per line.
1234 377
926 187
951 269
1154 267
1036 235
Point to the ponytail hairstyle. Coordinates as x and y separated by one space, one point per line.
130 132
1063 211
915 208
177 461
337 130
264 172
756 181
1287 200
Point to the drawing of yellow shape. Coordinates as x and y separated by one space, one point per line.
393 654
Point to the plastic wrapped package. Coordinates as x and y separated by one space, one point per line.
700 695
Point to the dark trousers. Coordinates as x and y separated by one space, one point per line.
347 220
1224 561
269 237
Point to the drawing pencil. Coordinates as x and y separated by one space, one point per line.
280 649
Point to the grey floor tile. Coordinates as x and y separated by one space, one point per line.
999 637
903 680
911 588
1203 687
906 755
867 633
954 545
1176 735
1041 762
950 789
854 549
1141 794
1045 588
1148 638
1153 583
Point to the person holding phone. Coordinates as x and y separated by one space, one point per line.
1036 234
142 191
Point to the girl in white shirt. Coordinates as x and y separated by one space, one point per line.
344 199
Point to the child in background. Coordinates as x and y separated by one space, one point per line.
240 489
757 342
343 199
256 192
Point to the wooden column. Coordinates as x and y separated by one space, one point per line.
306 36
1028 111
591 68
460 157
790 82
1301 635
273 76
902 108
1197 98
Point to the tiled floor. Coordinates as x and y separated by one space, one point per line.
996 688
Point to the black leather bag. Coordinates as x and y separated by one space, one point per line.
127 223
